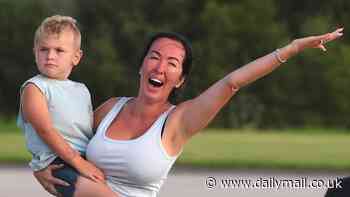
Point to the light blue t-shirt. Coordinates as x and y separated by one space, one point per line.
70 108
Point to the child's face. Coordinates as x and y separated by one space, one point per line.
56 55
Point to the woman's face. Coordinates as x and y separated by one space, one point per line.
161 70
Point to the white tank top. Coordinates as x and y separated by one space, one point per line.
136 167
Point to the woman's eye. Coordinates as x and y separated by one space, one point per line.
172 64
154 57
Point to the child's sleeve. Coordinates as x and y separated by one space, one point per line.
41 85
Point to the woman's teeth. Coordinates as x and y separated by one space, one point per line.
155 82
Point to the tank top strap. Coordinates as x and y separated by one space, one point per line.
107 120
167 112
162 119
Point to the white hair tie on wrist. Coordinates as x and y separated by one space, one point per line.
278 57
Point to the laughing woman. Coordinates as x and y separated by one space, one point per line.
139 138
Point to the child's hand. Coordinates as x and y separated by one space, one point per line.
90 171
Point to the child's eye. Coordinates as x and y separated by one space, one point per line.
43 49
60 50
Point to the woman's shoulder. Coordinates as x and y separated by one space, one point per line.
110 102
107 105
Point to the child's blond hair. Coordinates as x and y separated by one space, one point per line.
54 25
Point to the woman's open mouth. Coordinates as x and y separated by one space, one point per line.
155 82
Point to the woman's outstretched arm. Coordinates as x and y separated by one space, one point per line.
195 114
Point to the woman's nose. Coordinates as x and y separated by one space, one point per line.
161 66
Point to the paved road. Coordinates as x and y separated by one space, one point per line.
18 182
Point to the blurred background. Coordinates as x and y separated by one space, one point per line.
297 118
309 90
308 94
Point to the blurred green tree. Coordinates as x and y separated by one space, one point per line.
310 90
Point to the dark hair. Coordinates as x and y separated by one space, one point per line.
187 62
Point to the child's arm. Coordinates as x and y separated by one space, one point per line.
35 111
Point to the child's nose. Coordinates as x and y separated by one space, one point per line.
51 54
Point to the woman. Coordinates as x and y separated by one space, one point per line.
138 139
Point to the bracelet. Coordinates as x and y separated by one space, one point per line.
278 57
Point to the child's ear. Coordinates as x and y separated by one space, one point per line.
77 57
34 52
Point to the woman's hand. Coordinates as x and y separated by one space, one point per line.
47 181
316 41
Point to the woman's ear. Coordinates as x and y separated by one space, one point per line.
182 80
140 70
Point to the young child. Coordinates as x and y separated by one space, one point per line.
56 113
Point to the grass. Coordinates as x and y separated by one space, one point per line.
271 149
12 144
8 126
291 149
12 148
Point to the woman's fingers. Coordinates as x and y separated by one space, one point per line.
322 47
56 181
333 35
320 41
51 189
55 167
